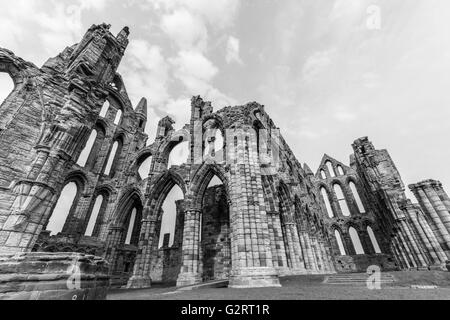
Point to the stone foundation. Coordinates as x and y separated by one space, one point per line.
53 276
254 278
360 263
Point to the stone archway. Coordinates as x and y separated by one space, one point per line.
207 229
215 250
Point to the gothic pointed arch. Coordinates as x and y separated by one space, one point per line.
201 181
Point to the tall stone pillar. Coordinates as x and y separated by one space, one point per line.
306 252
407 235
435 213
401 253
443 195
277 245
437 203
141 272
310 252
190 266
318 254
398 255
407 250
252 264
423 238
432 238
112 243
295 260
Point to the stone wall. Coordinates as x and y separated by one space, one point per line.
53 276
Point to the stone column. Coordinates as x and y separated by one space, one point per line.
112 243
310 252
190 273
439 206
141 272
317 254
432 238
408 251
304 246
277 244
295 260
398 256
252 264
429 247
402 253
438 227
443 196
326 257
407 235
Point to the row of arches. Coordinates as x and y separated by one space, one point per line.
342 199
89 155
178 151
332 171
104 113
68 203
356 241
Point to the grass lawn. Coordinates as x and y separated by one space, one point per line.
307 288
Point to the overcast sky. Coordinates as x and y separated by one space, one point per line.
324 70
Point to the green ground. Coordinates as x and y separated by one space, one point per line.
307 288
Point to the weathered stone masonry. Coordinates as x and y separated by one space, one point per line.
271 217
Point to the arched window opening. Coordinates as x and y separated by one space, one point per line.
215 181
114 158
340 170
84 156
169 216
118 118
331 169
144 168
340 243
356 241
179 155
326 199
341 200
63 208
6 86
357 197
214 145
105 109
323 174
94 216
373 239
112 155
131 226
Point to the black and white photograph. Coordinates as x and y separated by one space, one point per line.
217 156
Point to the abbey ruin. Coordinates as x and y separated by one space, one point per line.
271 215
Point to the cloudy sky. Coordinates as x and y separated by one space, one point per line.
328 71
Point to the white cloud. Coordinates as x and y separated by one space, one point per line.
218 13
180 110
233 50
185 29
145 71
51 25
345 8
317 63
194 70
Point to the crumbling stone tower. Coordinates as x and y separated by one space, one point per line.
44 125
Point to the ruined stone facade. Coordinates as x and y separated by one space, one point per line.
272 216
